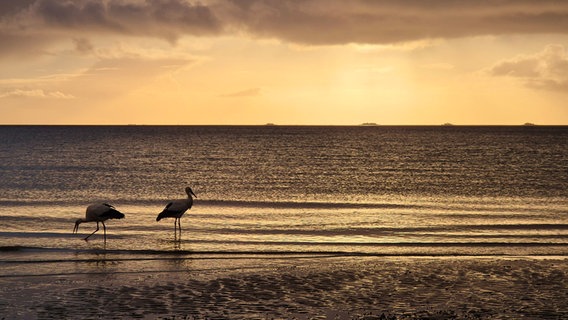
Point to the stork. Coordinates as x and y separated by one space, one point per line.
99 212
177 208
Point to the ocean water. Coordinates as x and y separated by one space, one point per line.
362 190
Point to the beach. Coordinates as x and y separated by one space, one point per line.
288 287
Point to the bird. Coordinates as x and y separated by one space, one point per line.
99 212
176 209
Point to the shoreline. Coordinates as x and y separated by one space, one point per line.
289 287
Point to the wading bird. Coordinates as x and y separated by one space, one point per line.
177 208
99 212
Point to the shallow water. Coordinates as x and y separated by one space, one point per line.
419 228
439 191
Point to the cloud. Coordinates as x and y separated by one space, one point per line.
244 93
35 93
51 20
391 21
312 22
8 7
83 45
112 74
547 69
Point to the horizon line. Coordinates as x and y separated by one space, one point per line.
286 125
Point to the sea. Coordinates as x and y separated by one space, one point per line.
435 191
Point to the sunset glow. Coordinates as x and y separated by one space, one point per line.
285 62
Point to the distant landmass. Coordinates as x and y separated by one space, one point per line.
369 124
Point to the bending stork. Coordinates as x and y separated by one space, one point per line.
99 212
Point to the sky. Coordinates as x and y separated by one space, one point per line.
309 62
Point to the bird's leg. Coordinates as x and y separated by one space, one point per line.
105 230
179 225
93 232
175 226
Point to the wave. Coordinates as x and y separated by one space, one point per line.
305 244
222 203
305 204
438 231
451 231
382 231
9 234
127 254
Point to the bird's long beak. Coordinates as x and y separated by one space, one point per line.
193 193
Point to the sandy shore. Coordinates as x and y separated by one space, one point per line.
292 288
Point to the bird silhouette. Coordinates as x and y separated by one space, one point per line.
177 208
99 212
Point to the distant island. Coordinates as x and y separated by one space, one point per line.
529 124
270 124
447 124
369 124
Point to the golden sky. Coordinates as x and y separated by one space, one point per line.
320 62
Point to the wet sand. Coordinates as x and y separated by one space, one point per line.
291 288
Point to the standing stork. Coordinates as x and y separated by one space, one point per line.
177 208
99 212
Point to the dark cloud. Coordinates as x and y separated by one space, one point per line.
385 21
312 22
77 14
10 7
544 70
167 19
